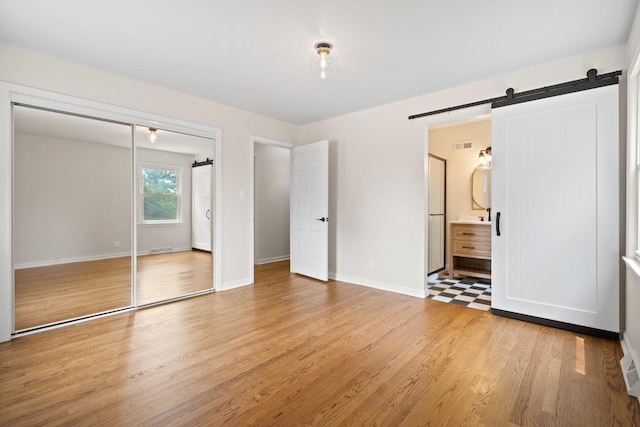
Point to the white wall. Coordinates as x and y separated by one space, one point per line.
72 200
271 192
377 196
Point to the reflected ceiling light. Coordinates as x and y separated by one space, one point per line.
484 159
323 60
152 134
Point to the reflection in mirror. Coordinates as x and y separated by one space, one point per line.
174 215
72 219
481 189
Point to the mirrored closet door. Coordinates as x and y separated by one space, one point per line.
72 216
174 214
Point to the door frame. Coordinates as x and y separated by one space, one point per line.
462 115
444 234
11 93
252 141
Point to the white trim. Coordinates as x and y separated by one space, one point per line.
252 141
272 142
237 284
10 93
451 118
46 263
379 285
164 251
272 259
6 214
633 264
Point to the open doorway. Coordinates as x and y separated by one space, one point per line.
271 196
464 278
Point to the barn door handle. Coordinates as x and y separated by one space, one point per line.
323 219
498 224
206 214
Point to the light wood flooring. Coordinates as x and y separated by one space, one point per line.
65 291
293 351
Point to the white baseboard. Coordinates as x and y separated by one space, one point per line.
47 263
156 251
233 285
419 293
272 259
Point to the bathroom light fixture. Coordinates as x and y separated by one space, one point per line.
152 134
484 159
323 60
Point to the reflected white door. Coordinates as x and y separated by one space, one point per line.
202 213
555 189
310 210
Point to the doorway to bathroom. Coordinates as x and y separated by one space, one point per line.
458 222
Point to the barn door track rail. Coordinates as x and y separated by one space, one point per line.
592 81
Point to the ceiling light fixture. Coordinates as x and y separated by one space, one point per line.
323 60
152 134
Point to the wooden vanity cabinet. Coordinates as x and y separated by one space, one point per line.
470 249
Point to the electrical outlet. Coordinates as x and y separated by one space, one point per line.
372 264
116 243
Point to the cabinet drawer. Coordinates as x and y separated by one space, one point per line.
472 248
472 232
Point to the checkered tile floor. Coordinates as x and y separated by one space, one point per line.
465 291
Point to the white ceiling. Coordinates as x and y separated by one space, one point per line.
57 125
254 54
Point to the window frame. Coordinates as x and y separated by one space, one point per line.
141 194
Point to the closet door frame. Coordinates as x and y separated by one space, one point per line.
13 93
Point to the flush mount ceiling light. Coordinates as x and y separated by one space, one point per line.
484 159
323 60
152 134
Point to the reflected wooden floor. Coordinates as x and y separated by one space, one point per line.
54 293
293 351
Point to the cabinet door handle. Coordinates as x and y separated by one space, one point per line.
498 224
468 247
468 234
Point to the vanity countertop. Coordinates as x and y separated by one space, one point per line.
476 222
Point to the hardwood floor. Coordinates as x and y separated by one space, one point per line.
293 351
65 291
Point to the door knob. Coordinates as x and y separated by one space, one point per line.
206 214
323 219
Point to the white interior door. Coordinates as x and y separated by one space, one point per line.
310 210
201 230
555 187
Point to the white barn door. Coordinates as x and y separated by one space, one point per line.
201 211
310 210
556 188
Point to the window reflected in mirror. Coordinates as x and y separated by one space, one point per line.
175 182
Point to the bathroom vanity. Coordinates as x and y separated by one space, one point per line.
470 248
